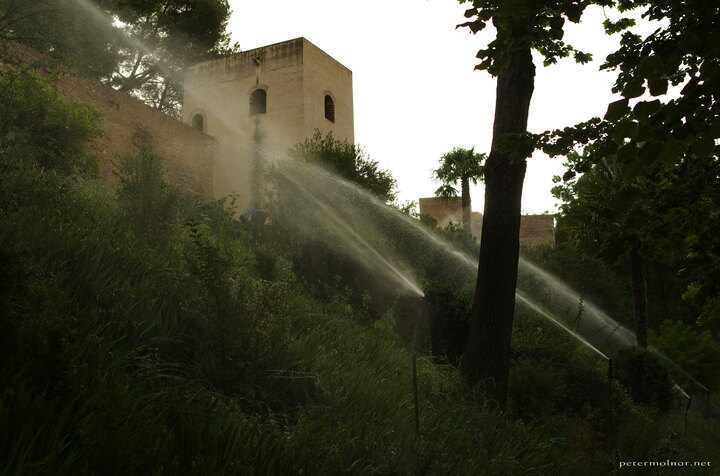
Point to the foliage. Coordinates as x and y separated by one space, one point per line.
348 161
37 125
67 30
120 357
138 47
695 352
164 36
449 316
458 165
591 277
646 379
605 214
539 24
150 202
199 350
464 166
657 133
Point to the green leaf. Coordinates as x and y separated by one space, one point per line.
682 132
616 110
631 170
557 22
625 128
556 33
703 146
714 128
618 26
671 153
627 153
644 109
573 12
634 88
650 66
582 58
650 151
657 86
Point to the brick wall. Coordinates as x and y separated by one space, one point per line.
443 210
534 229
128 123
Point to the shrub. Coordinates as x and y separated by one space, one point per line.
38 125
149 202
449 309
695 352
348 161
640 372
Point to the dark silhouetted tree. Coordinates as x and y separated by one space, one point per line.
521 25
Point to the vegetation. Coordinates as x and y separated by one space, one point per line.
137 47
464 166
522 26
652 137
348 161
144 330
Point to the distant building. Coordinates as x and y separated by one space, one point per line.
534 229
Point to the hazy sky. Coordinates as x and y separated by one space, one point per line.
416 95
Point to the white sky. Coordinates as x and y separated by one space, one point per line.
416 95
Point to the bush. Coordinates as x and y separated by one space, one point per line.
38 125
695 352
449 309
640 372
348 161
150 204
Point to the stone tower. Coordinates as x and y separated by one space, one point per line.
258 103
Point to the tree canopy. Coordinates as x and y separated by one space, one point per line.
348 161
139 47
678 66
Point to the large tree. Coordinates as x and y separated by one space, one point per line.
673 123
464 166
139 47
521 26
165 36
672 130
614 219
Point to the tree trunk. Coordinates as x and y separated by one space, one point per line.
466 205
487 355
637 276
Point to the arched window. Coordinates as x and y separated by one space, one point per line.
258 102
329 108
198 122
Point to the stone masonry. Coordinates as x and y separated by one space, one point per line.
220 154
128 123
295 80
534 229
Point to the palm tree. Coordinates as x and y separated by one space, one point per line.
465 166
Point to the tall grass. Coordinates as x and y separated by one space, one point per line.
190 347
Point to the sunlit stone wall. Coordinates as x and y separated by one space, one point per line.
534 229
128 123
296 76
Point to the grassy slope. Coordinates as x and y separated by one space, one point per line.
183 344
